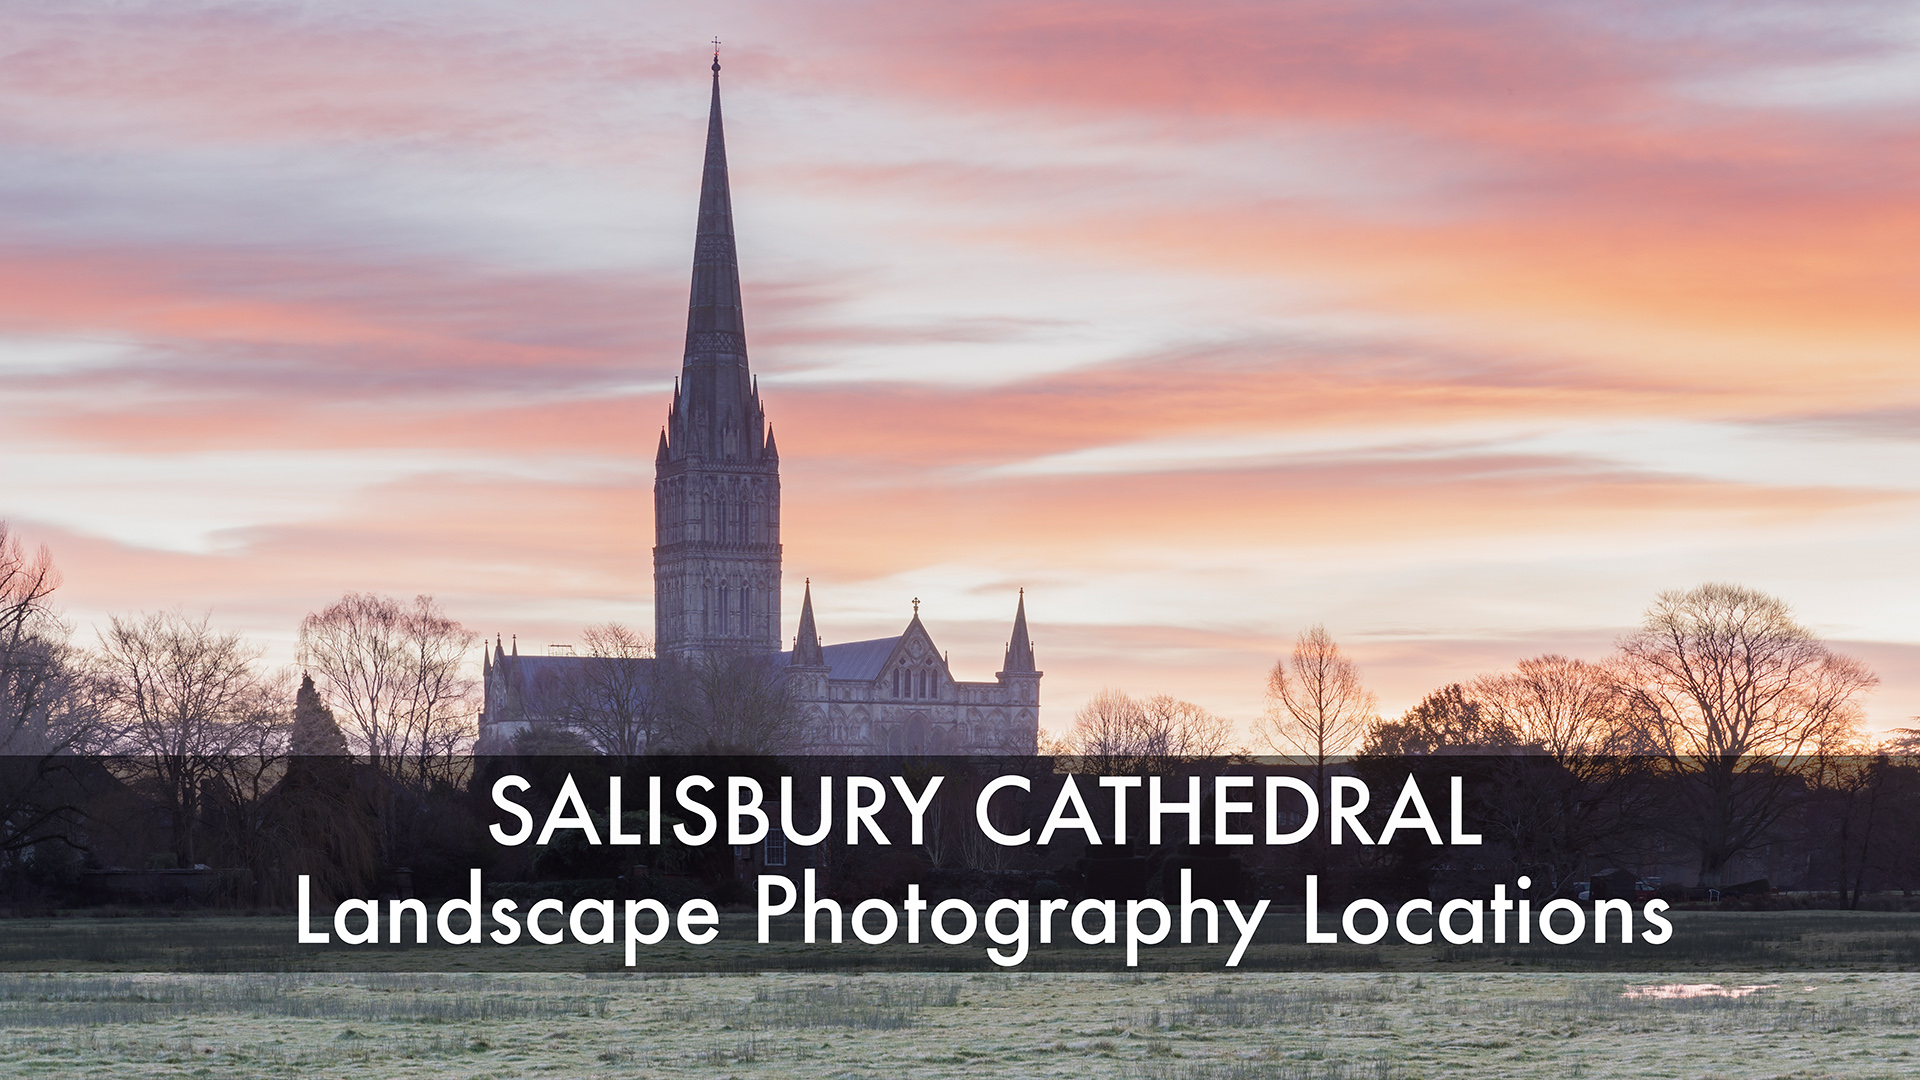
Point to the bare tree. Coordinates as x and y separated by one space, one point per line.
1115 732
1173 730
43 702
1573 785
187 700
1853 798
1317 707
397 674
733 701
49 708
1571 710
609 698
1738 700
1103 731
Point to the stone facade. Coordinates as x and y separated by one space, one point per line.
896 695
717 560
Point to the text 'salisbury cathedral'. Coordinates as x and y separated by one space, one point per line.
716 560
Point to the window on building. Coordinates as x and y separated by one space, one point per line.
775 851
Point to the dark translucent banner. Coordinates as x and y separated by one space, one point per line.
1019 863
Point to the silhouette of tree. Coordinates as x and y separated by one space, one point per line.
1117 733
1576 787
1317 707
49 708
609 698
1739 701
1571 710
315 732
1446 721
186 700
397 673
733 701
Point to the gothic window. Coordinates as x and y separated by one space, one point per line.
746 610
896 682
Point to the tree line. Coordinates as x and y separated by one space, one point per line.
205 755
162 741
1720 727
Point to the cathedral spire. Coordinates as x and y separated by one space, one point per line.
806 644
1019 648
716 415
716 555
716 333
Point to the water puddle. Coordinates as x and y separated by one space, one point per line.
1676 991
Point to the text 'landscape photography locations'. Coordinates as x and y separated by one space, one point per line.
1310 540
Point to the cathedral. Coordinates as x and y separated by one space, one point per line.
716 561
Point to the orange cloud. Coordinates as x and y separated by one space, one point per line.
1414 230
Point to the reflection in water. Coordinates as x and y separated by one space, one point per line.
1694 990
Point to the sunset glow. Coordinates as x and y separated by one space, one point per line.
1461 328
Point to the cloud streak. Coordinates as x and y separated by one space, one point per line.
1457 327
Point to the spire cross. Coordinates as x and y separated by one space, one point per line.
716 56
916 607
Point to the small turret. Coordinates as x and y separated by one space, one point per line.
1019 648
806 644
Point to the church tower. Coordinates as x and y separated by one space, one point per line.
716 487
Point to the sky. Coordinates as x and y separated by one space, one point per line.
1462 328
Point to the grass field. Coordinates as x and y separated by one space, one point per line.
1176 1026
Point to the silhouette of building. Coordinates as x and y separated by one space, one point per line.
716 560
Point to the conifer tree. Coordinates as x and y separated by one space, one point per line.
315 734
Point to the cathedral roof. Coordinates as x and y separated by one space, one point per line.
856 659
541 681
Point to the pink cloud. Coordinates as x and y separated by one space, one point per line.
1581 235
